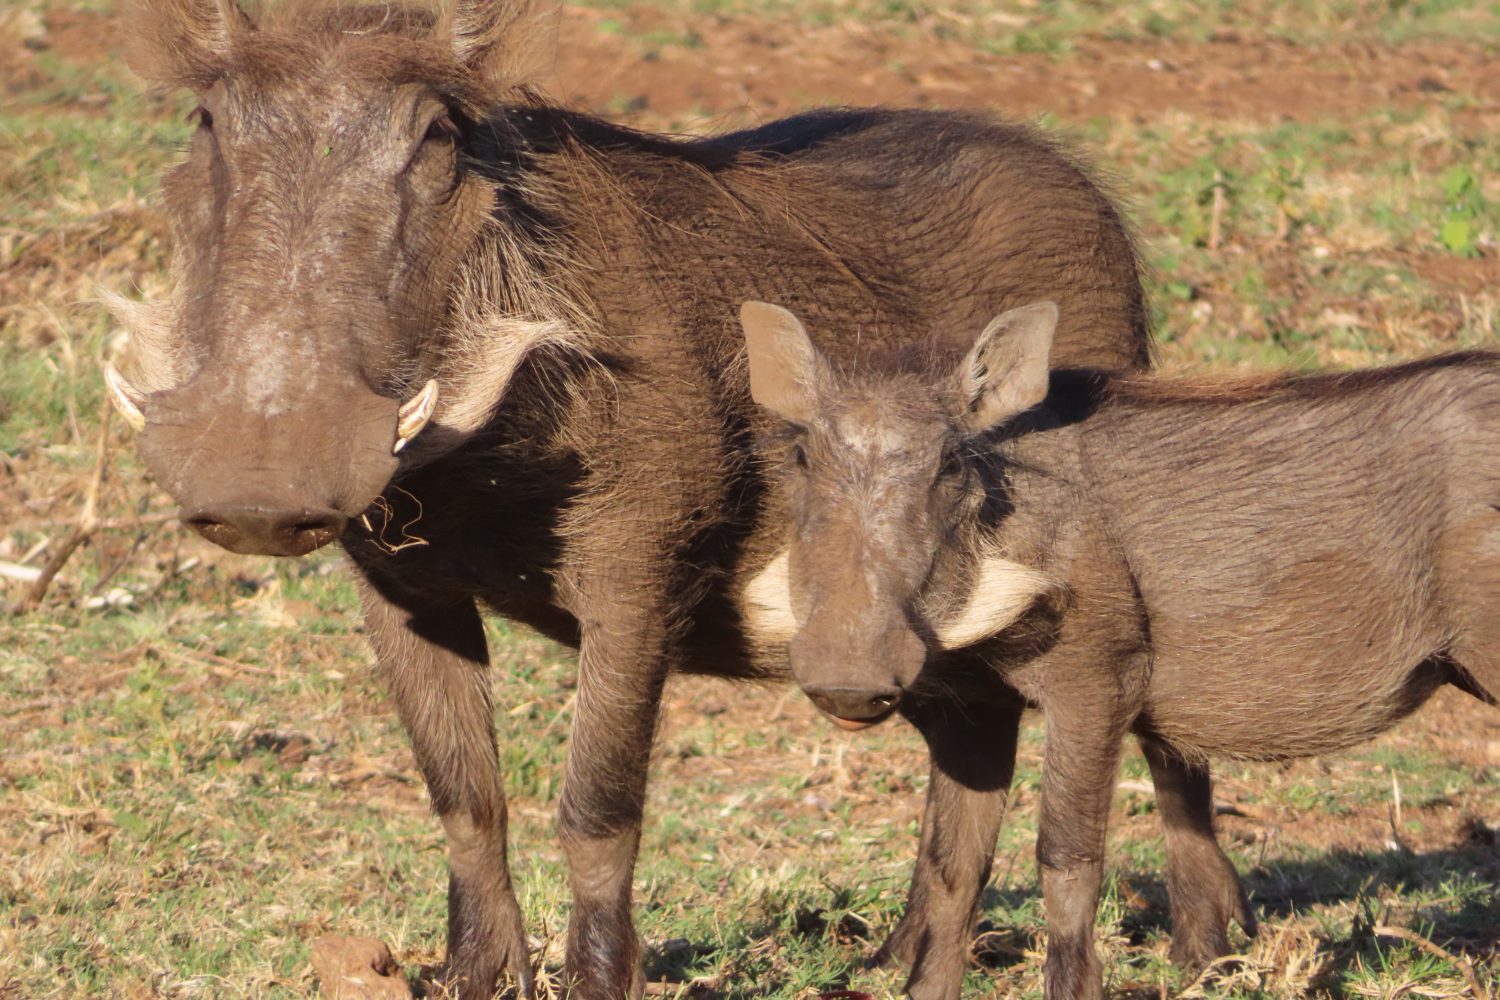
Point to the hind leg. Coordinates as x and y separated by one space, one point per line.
1204 888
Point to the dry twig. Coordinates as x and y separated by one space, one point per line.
146 520
1463 964
217 665
88 518
1216 216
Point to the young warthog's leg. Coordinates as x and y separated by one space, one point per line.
973 750
1082 753
433 659
620 675
1205 890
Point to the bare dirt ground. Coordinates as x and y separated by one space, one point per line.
771 68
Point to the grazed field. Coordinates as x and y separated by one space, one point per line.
198 776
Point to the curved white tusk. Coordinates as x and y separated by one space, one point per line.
125 398
414 415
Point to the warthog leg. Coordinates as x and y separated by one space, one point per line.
1205 890
621 671
1086 726
433 659
973 748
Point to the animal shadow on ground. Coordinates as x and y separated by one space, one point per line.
1278 890
679 962
1288 888
1400 887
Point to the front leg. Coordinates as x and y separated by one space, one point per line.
973 756
1204 888
1085 727
621 671
433 658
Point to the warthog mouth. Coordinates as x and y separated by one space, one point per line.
856 725
851 725
853 707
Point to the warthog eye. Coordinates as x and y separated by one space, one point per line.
441 129
799 456
203 116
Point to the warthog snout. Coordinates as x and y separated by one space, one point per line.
280 476
265 530
858 683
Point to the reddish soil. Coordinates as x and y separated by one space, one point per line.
774 67
85 37
745 66
1469 276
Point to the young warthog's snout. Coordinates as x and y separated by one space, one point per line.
856 651
858 684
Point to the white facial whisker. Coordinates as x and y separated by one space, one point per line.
1003 592
768 602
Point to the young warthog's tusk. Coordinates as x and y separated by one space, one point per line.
125 398
414 414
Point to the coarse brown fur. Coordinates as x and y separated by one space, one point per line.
375 204
1257 569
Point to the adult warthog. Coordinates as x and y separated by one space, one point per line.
489 345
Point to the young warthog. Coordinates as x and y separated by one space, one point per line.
1257 570
489 345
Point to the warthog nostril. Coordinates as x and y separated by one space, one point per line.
266 530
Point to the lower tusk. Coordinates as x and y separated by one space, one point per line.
125 398
415 414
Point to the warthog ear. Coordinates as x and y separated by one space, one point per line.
1007 371
506 42
785 368
181 43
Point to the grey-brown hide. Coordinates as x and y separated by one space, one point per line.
317 221
377 204
880 493
1261 570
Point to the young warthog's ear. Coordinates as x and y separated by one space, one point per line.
785 368
1006 372
181 43
508 43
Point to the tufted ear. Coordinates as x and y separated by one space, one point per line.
181 43
786 369
508 43
1006 373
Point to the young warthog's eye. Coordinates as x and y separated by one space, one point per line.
203 116
799 456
